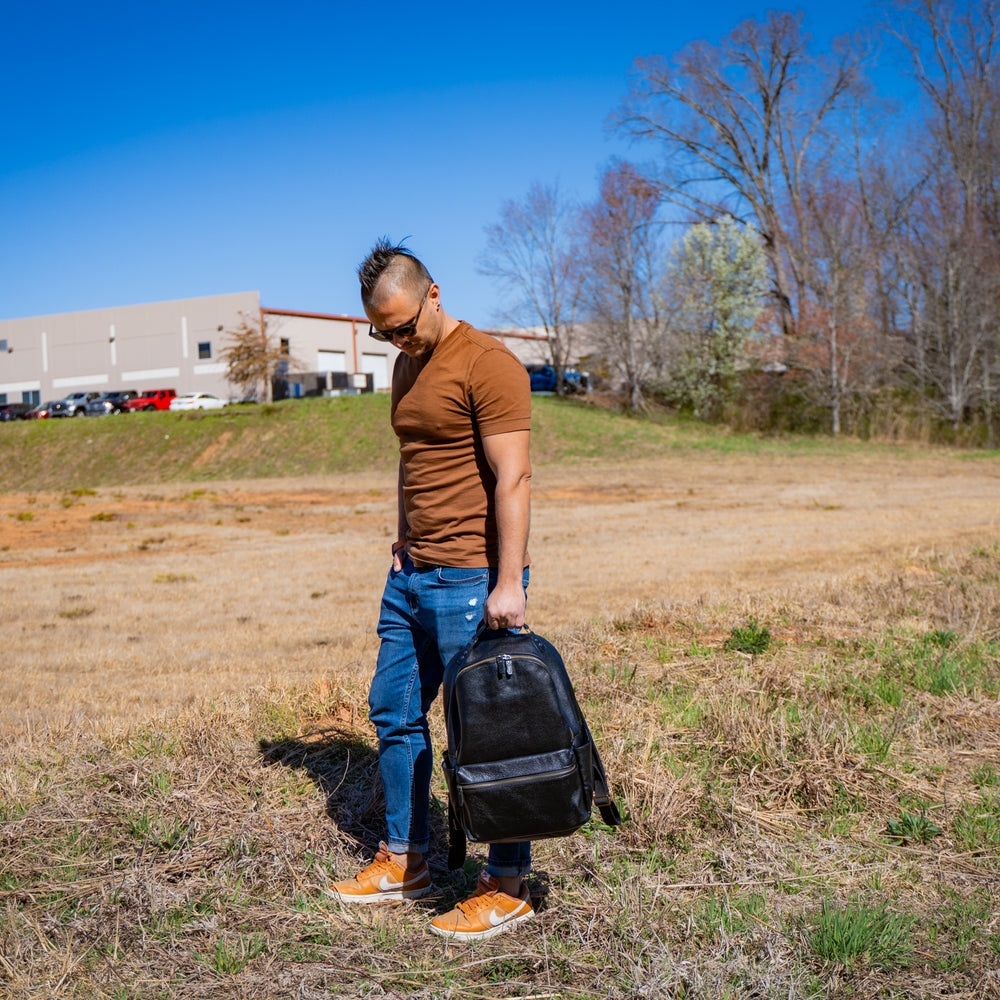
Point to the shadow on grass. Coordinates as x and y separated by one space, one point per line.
345 768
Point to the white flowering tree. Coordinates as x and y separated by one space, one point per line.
718 284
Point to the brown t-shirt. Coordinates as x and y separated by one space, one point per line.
443 404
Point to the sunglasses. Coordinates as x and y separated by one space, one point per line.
400 331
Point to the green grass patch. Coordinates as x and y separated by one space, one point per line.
976 826
985 776
231 955
155 830
938 662
720 916
860 934
874 739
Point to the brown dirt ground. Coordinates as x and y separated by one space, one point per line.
136 602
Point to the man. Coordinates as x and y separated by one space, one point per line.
461 408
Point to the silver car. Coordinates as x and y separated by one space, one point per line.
73 405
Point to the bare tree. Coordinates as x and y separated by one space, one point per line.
532 253
953 251
254 357
624 263
956 285
740 123
955 59
837 342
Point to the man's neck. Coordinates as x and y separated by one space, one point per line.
448 326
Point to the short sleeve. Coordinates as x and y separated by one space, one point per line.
500 393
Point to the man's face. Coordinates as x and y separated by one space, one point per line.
416 319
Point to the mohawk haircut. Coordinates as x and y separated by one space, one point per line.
391 268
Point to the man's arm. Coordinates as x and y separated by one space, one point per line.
509 458
398 548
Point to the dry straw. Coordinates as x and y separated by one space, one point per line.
188 858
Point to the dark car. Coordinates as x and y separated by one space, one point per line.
41 412
73 405
110 402
14 411
543 379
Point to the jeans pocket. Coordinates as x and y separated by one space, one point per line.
462 575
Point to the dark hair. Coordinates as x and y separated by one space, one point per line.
390 268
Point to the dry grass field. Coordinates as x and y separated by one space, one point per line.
790 662
129 603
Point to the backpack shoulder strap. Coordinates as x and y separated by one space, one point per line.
602 791
456 838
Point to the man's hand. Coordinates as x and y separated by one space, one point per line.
398 555
504 607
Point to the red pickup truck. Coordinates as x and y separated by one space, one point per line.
151 399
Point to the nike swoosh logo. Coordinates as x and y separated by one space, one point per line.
497 917
386 884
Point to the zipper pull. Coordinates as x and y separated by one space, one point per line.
505 668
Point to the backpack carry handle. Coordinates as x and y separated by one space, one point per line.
482 628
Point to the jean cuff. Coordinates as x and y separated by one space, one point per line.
508 870
399 847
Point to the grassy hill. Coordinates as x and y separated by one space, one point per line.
318 437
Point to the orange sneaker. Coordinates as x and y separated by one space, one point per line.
383 881
486 912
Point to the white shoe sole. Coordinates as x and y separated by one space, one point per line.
392 896
482 935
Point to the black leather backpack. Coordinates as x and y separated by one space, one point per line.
520 763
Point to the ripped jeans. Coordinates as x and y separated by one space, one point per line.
428 615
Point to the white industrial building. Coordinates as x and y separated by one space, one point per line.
176 345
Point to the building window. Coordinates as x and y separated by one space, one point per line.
3 347
204 350
284 345
3 398
34 397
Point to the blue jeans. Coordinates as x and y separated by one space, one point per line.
428 615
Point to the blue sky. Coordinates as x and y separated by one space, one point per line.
155 151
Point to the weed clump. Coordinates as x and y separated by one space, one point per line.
751 638
914 827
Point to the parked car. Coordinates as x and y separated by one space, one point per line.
152 399
110 402
543 379
197 401
41 412
73 405
14 411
